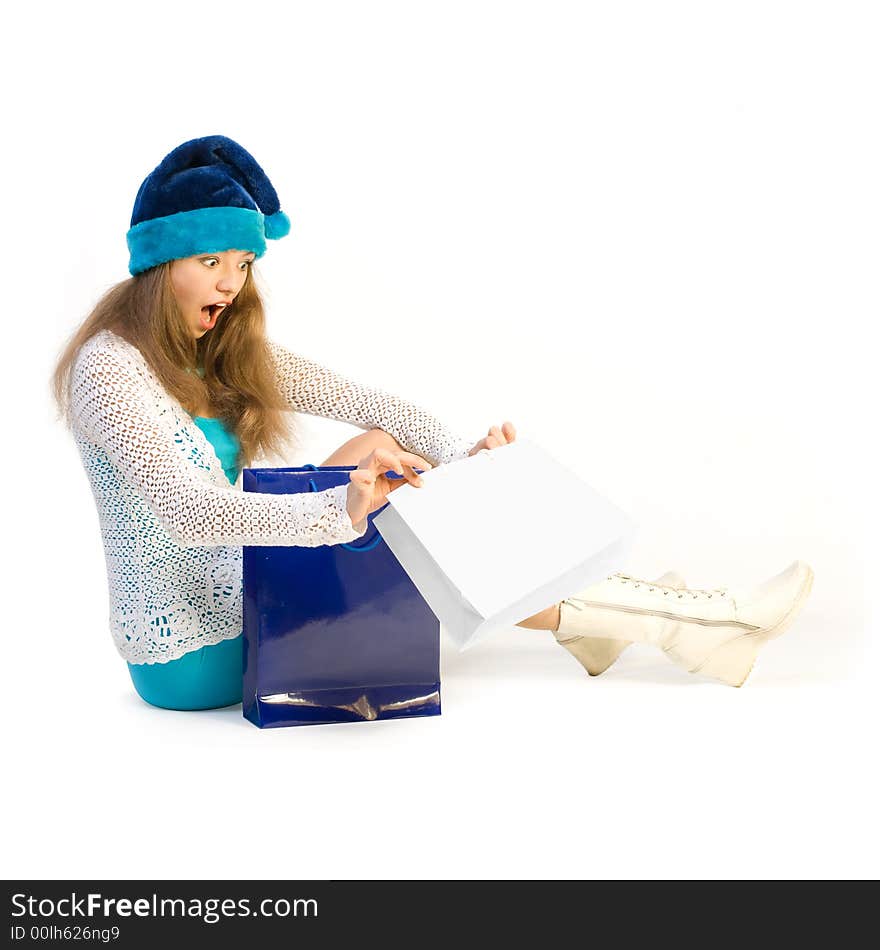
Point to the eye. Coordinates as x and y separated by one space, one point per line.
217 259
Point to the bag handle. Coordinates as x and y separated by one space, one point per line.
358 549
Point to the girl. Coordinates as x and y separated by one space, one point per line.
170 387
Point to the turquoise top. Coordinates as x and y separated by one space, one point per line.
209 677
225 442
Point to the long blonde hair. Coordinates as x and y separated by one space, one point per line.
239 383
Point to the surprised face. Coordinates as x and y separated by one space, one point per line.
205 285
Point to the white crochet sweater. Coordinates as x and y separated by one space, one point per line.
172 525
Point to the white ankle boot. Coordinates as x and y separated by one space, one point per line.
596 654
715 632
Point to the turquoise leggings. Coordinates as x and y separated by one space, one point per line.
203 679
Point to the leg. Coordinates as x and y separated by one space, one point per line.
351 452
595 653
547 619
716 632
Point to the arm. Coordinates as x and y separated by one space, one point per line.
112 406
316 390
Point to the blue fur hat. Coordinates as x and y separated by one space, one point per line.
206 196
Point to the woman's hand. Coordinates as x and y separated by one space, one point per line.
369 485
496 437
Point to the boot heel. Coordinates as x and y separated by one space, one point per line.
732 662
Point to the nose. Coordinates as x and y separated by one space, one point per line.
228 280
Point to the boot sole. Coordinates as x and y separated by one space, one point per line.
732 663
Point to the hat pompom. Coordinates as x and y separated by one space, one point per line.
277 225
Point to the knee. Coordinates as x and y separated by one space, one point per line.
360 446
379 438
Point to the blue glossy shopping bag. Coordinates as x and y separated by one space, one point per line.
337 633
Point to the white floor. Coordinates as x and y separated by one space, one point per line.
533 770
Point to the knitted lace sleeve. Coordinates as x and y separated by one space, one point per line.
316 390
114 408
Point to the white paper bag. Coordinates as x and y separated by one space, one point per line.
494 538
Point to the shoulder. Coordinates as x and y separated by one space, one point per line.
276 350
105 341
107 355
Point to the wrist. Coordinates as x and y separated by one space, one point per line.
361 526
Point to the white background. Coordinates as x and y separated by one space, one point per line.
646 234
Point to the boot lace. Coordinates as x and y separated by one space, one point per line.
680 593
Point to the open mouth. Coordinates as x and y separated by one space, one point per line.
210 313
